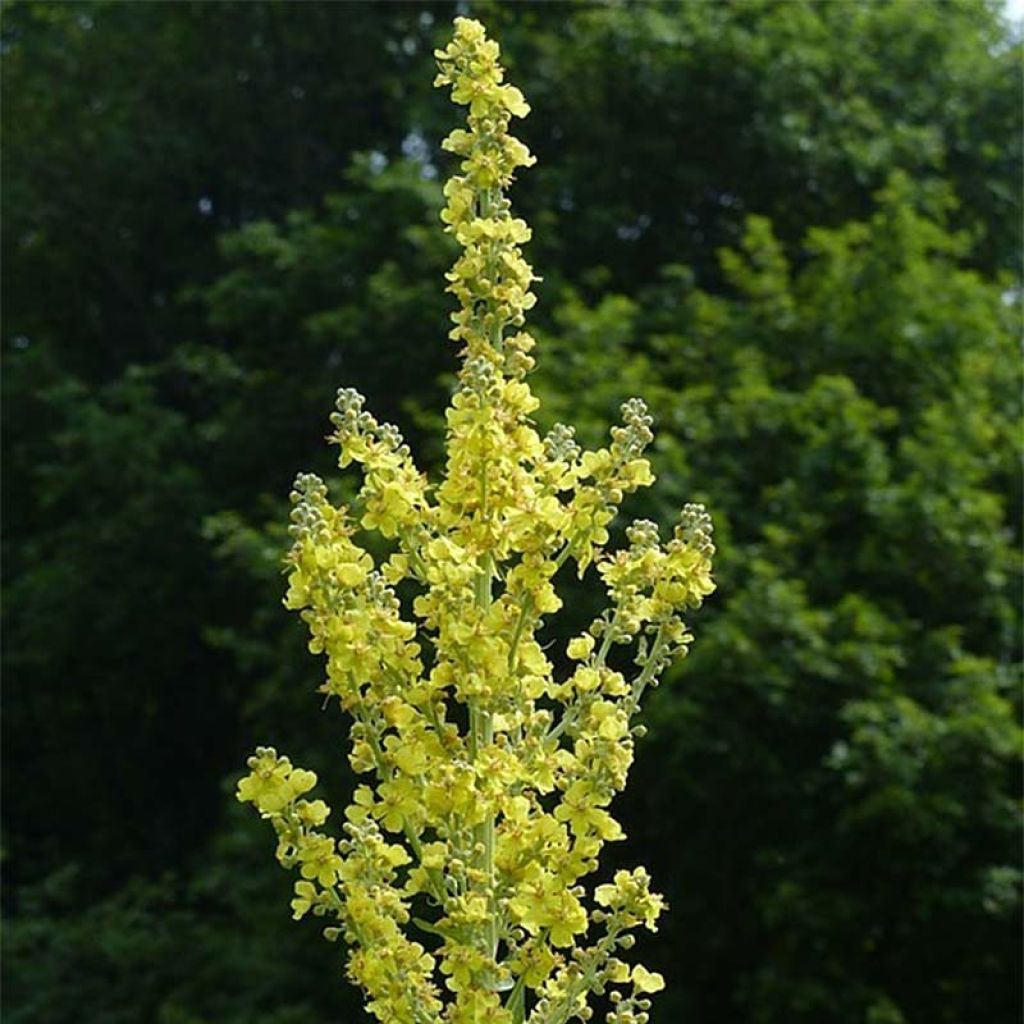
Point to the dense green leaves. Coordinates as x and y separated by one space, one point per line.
660 128
840 749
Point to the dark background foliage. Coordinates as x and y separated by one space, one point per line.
792 226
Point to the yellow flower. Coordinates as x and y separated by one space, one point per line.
319 859
457 720
400 800
268 785
646 981
579 648
305 897
312 812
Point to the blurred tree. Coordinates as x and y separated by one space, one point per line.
659 127
839 758
137 133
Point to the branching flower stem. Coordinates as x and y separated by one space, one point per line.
455 878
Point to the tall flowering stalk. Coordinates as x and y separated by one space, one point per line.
456 881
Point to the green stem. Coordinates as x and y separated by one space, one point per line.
432 929
516 1002
517 633
566 720
606 643
481 734
649 669
601 953
418 565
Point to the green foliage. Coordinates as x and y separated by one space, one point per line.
108 542
840 750
185 947
796 110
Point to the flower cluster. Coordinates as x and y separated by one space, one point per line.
489 774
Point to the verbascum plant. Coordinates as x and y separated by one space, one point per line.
455 882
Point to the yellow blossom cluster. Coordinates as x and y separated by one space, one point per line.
456 884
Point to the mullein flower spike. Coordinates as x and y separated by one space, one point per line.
455 878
